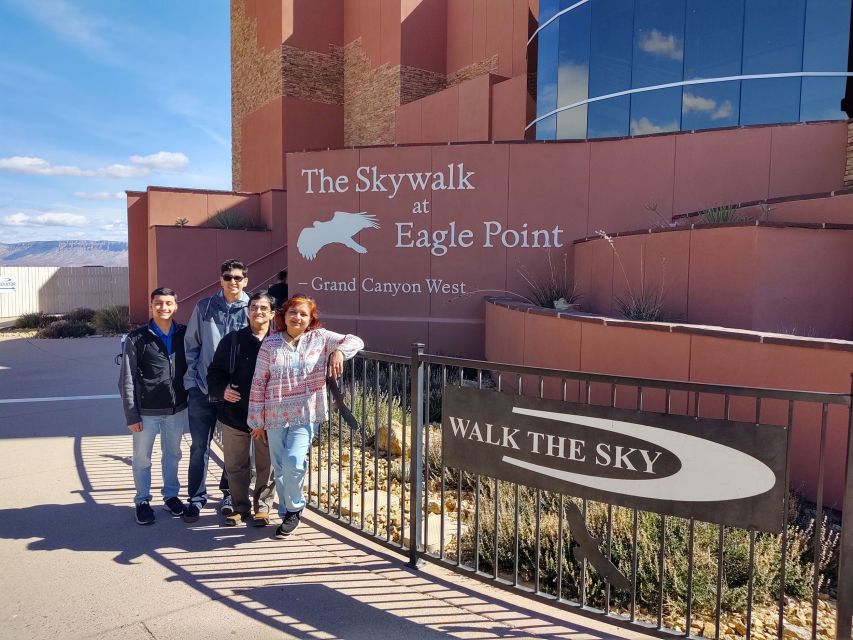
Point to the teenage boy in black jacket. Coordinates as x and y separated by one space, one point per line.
152 392
229 380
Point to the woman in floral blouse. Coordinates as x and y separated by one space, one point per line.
288 397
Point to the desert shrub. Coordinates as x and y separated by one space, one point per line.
80 314
34 320
230 219
766 576
555 285
114 319
67 329
717 215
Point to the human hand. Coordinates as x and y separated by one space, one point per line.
136 427
336 364
259 434
231 395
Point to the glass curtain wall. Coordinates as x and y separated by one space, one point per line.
611 68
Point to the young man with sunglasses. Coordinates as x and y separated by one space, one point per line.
212 319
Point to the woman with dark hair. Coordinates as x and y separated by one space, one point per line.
288 398
229 379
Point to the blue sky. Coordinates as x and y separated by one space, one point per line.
101 96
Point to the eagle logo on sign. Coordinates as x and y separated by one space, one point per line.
340 229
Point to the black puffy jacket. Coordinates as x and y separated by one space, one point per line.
151 382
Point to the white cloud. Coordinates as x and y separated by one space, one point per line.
21 219
40 166
644 126
100 195
692 102
162 161
724 111
141 166
658 44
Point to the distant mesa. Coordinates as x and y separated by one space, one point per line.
64 253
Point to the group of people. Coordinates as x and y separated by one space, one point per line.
254 366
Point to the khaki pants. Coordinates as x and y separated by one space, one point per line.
238 466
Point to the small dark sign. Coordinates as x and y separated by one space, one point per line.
717 471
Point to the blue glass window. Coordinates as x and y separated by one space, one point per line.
772 43
611 35
712 49
546 74
573 73
827 33
658 59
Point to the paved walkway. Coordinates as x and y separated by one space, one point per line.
75 565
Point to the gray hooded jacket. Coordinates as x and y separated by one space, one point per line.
211 320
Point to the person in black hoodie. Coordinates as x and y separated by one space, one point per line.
229 379
152 392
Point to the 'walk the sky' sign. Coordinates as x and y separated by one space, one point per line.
713 470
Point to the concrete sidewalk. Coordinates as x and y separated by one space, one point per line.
77 566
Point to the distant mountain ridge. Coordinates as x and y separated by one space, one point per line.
64 253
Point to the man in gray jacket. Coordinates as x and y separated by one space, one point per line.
211 320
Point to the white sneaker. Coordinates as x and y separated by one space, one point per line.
226 508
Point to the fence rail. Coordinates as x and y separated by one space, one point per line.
683 575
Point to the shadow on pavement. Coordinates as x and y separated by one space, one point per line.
319 582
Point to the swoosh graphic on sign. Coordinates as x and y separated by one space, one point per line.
709 471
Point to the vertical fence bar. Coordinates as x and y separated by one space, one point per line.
538 551
844 622
609 547
661 568
688 614
784 550
818 525
515 537
426 447
376 450
560 544
362 487
635 556
388 454
583 561
416 381
477 490
721 542
496 527
403 497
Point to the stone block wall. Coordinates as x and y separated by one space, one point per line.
256 79
848 170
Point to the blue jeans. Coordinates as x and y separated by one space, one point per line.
288 452
171 429
202 419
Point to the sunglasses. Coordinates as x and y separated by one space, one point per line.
228 278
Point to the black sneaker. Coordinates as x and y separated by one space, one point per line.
226 507
190 513
174 506
288 525
144 513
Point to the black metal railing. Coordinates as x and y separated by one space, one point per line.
683 575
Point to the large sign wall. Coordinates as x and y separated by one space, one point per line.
402 244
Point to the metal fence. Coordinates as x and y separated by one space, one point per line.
60 289
684 575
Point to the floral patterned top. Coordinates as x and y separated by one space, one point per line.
289 385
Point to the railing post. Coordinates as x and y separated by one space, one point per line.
416 466
844 624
